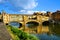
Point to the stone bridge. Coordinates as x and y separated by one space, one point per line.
23 20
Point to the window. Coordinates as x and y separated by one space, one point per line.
32 17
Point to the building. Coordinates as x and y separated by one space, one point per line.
56 16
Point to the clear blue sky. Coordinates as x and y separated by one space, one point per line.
28 6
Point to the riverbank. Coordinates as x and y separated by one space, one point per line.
19 34
4 34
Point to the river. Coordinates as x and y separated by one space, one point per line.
54 35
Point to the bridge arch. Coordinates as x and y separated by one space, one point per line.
1 20
15 24
45 23
32 24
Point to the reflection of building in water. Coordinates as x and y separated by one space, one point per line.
45 29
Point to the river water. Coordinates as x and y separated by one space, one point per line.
54 29
44 36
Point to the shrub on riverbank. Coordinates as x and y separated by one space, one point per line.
20 35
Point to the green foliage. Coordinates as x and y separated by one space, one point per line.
20 35
16 38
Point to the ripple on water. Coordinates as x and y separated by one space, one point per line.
47 37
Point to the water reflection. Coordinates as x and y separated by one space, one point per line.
14 24
32 24
54 32
55 29
44 36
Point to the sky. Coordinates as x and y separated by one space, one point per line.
29 6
